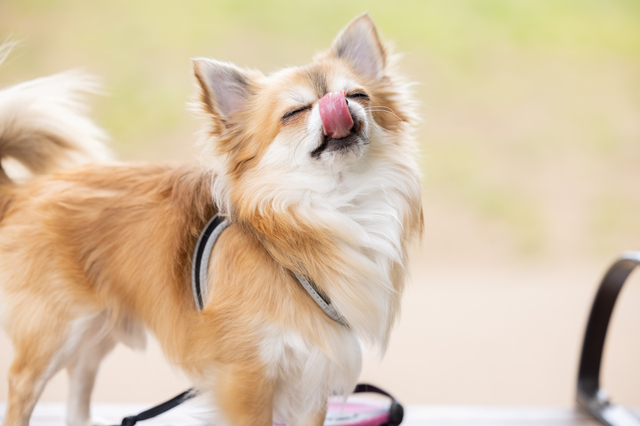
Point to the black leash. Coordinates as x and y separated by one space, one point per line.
396 412
160 408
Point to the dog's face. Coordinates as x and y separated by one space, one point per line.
301 126
301 135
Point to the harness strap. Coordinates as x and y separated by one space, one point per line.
202 253
321 299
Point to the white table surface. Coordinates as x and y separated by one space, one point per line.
52 414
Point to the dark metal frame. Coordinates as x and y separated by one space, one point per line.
590 396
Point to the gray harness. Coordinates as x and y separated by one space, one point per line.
202 253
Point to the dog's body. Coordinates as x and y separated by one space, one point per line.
93 255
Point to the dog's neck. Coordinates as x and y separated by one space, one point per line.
350 240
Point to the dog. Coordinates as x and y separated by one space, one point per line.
315 169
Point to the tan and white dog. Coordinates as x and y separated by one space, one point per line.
95 255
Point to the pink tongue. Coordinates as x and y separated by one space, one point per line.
335 115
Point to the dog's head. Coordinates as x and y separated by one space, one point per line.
305 128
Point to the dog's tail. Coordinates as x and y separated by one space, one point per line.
43 126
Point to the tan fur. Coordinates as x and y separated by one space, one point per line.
91 255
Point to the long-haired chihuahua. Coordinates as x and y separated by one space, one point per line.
314 169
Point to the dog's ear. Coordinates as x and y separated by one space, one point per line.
226 89
359 44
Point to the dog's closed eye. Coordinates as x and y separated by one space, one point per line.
294 112
358 95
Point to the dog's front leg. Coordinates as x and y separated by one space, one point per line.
245 395
317 419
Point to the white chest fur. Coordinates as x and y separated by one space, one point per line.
306 373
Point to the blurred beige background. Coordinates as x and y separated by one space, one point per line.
530 150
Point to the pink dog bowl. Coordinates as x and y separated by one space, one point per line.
361 410
358 411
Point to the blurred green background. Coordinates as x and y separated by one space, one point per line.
530 107
530 139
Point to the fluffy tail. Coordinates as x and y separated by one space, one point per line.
43 125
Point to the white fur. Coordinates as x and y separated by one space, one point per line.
305 373
361 196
